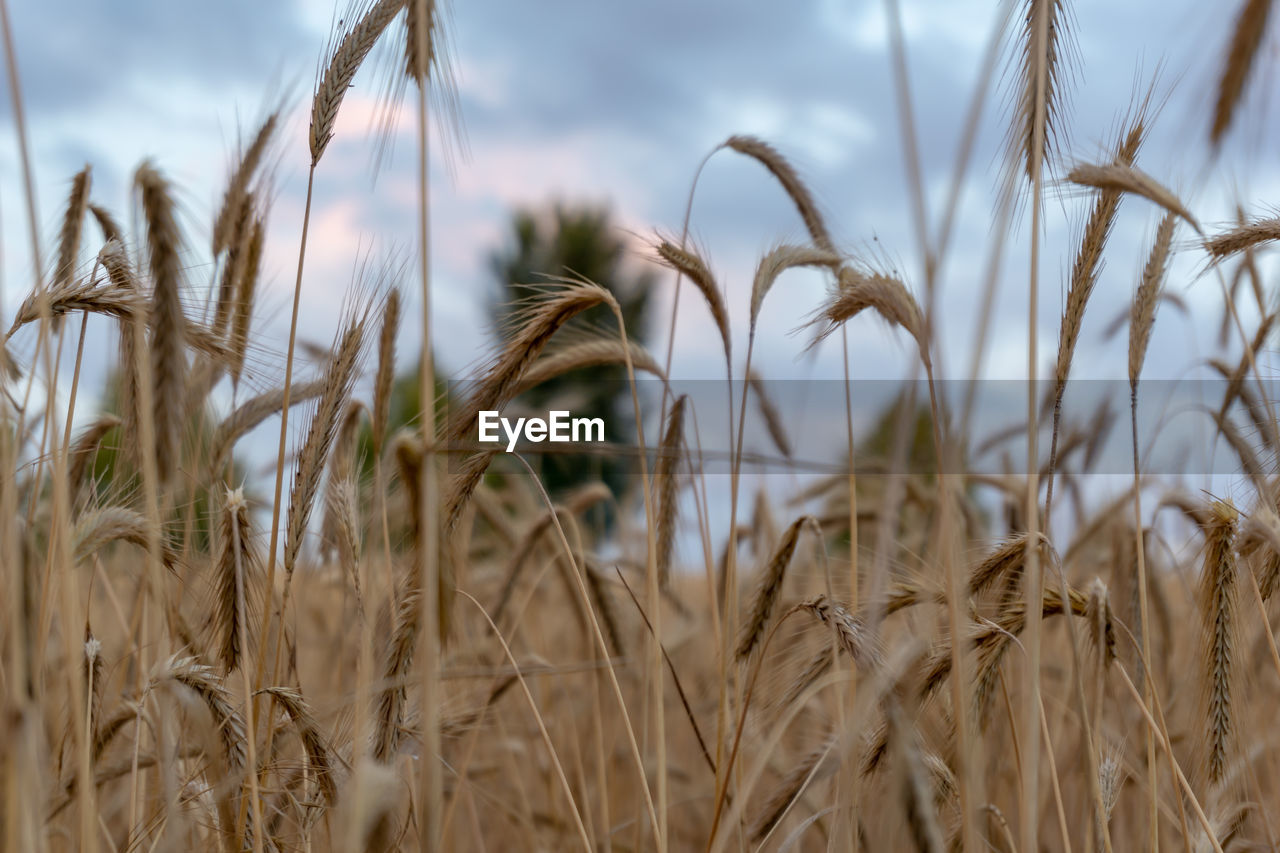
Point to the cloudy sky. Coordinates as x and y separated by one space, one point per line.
596 100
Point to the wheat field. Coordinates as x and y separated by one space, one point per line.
396 638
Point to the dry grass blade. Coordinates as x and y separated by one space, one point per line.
778 166
1129 179
693 267
168 323
820 764
347 51
1246 38
1217 599
1142 315
577 503
768 589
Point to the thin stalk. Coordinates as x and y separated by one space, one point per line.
1144 615
1153 727
542 727
273 546
431 782
854 778
585 600
59 543
1034 585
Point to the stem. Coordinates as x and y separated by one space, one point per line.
430 781
274 540
1164 744
1031 722
1144 615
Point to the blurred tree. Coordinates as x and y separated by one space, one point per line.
578 241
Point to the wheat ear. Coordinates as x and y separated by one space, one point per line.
235 570
768 589
1119 177
386 370
243 299
667 488
1146 299
1246 39
345 56
693 267
338 381
771 159
72 228
167 322
238 184
1218 595
771 414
